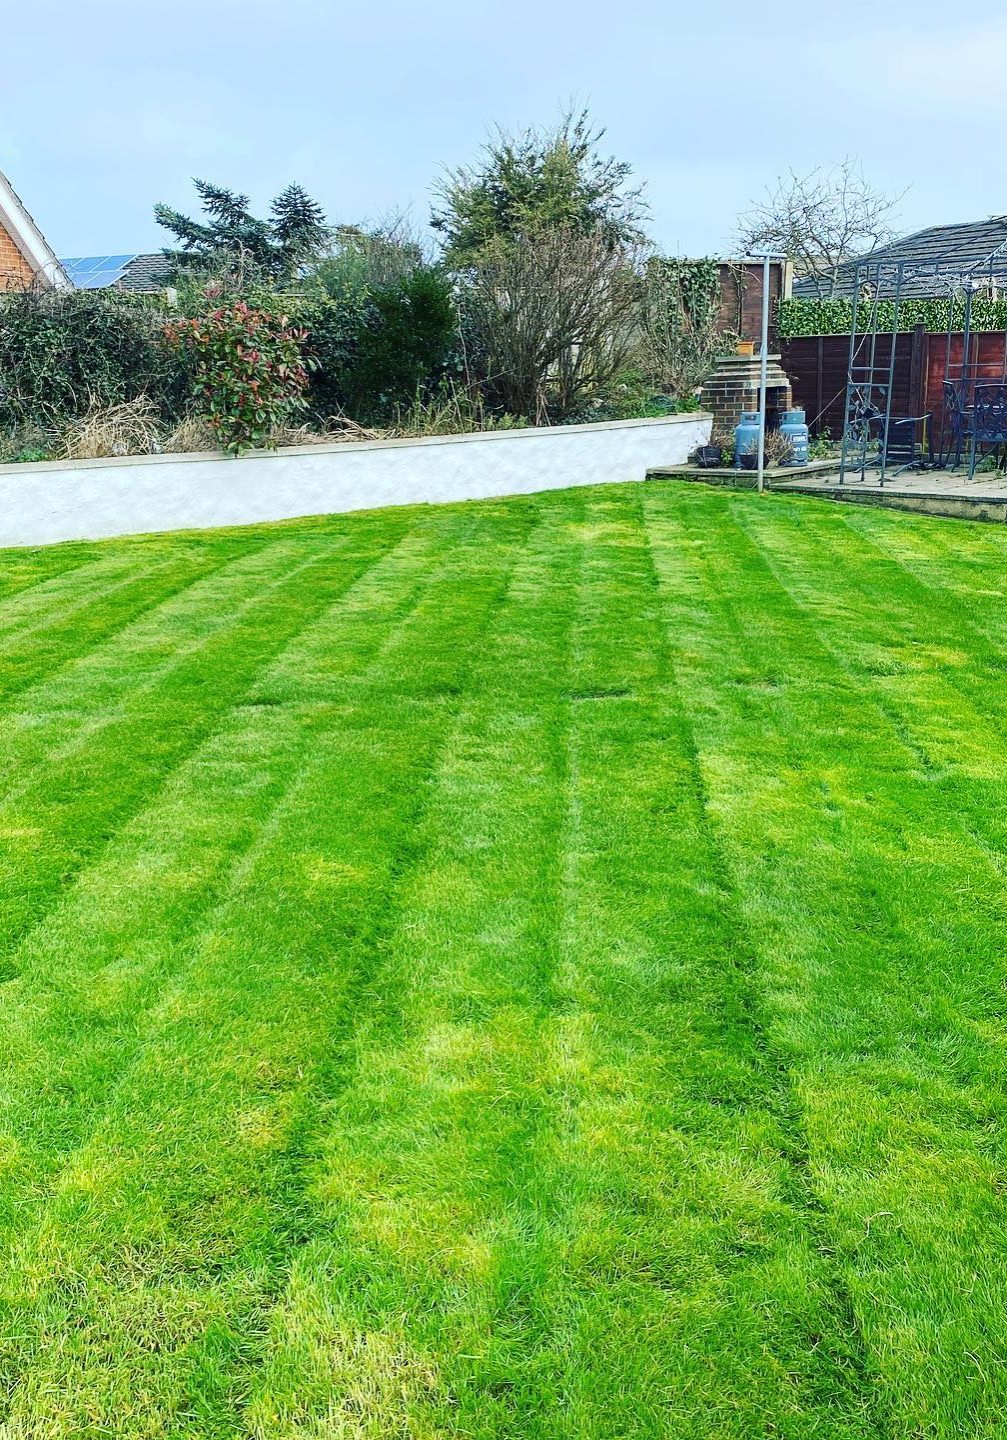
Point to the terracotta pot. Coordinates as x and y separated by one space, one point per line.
745 347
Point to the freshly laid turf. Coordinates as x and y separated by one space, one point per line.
529 969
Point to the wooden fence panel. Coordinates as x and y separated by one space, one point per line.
817 366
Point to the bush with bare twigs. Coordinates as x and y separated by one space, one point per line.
548 320
819 220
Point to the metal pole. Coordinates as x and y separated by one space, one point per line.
849 375
762 371
891 372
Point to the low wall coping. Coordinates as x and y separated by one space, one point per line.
174 457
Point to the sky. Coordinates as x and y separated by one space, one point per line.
109 106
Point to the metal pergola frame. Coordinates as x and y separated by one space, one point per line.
870 377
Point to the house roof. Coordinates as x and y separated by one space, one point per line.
146 272
139 273
28 238
957 249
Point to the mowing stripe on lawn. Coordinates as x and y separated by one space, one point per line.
72 588
693 1247
961 810
964 570
69 592
22 570
526 969
235 1059
955 825
35 651
111 765
818 812
937 693
60 709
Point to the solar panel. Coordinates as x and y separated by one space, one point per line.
96 272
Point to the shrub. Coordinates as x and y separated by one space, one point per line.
779 448
680 336
724 440
629 396
362 260
549 321
377 351
451 410
822 446
332 328
404 344
246 368
64 353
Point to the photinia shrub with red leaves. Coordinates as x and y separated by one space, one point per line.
247 368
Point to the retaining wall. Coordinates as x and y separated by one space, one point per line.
93 499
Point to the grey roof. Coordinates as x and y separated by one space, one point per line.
146 272
955 248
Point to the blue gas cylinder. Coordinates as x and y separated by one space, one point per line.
793 427
746 440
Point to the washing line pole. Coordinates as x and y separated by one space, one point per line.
763 362
762 371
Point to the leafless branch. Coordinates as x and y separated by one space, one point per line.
550 319
821 219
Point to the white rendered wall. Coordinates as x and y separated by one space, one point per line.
91 499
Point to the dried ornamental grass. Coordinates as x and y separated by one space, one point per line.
131 428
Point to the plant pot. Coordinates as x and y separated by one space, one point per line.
745 347
749 462
708 457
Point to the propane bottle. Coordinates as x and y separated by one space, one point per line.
746 439
792 425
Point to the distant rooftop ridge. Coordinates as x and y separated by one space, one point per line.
960 248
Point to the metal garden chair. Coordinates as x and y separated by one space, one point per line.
899 446
989 420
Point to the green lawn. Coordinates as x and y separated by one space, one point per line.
524 969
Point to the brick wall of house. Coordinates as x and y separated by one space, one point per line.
15 271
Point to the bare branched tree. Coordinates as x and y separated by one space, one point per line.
819 220
549 318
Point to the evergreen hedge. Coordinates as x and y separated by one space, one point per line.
62 351
801 316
